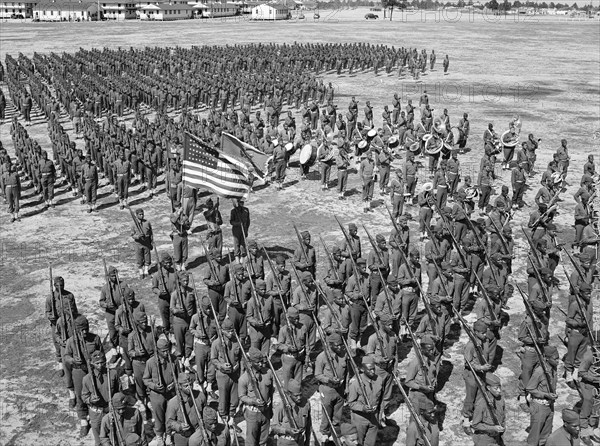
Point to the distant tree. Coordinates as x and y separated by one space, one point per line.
517 4
470 3
559 6
575 6
461 3
544 5
552 5
492 4
506 5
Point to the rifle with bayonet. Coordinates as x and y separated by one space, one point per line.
531 314
541 360
580 305
301 242
418 353
484 393
383 282
471 336
330 259
199 308
255 297
251 375
287 408
118 436
108 287
161 378
413 411
186 418
486 296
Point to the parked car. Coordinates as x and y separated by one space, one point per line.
370 15
17 16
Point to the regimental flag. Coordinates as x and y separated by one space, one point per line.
256 160
205 166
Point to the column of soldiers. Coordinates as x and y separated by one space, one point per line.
363 309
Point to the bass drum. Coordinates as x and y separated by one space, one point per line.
308 155
446 150
433 145
331 155
457 135
371 134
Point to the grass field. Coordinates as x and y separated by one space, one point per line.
546 70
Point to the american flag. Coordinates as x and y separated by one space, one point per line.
205 166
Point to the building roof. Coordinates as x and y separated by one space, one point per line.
277 6
62 5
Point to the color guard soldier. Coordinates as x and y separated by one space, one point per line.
142 234
240 223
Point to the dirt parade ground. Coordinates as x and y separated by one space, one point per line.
543 69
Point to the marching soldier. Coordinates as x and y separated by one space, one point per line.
57 306
298 433
589 385
237 294
216 278
579 323
409 279
89 173
568 433
140 348
203 327
305 257
429 419
159 380
225 355
278 287
183 307
542 388
293 342
364 396
125 323
489 419
383 346
358 289
78 352
378 263
95 391
110 299
421 377
240 223
527 353
255 261
259 314
330 372
47 172
131 423
184 416
255 390
163 284
476 353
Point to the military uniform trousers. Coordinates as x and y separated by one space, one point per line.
139 366
358 320
164 308
540 423
96 414
143 254
204 367
258 422
333 403
183 338
485 439
159 408
81 408
367 427
228 392
48 186
91 189
180 248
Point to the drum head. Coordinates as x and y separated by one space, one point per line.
289 147
306 153
372 133
393 142
362 145
456 135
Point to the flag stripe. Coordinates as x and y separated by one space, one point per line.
208 167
